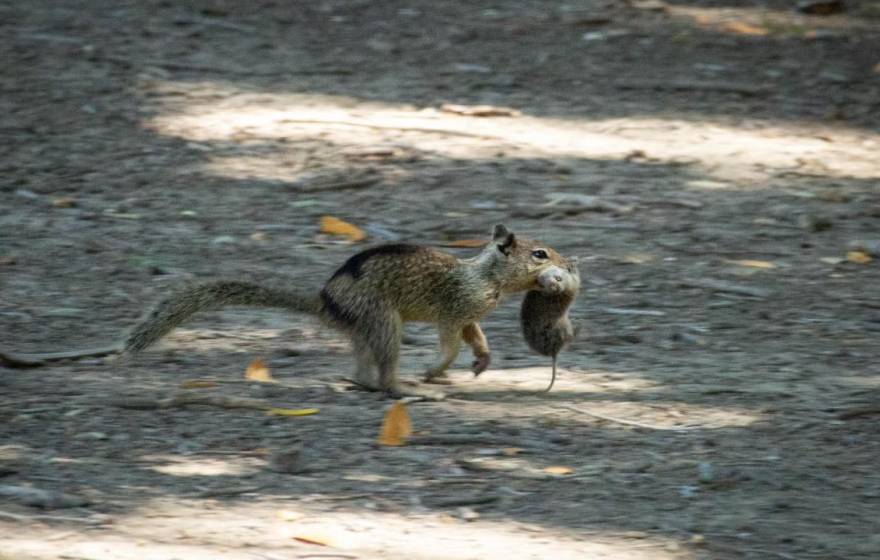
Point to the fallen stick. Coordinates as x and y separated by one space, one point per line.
210 69
60 518
357 183
623 311
9 359
426 130
689 85
467 439
858 412
628 422
719 252
187 399
38 497
224 492
720 286
459 501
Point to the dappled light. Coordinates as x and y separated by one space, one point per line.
266 190
176 465
743 157
210 529
627 396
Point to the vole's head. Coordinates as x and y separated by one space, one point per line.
521 264
559 279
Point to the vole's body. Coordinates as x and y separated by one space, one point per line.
377 290
544 316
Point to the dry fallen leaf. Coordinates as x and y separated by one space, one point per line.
465 243
291 411
858 257
396 426
743 28
64 202
558 470
321 540
197 384
335 226
257 370
753 263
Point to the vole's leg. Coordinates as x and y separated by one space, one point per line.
474 337
450 344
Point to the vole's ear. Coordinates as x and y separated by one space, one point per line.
503 239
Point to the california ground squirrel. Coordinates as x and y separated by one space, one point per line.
544 314
377 290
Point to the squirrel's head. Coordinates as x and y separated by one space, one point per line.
524 264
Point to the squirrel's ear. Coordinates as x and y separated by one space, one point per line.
503 239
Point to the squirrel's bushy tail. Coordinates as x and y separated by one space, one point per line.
182 305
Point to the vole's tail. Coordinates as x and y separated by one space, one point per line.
182 305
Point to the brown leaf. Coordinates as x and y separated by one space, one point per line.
257 370
291 411
465 243
335 226
858 257
320 540
396 426
558 470
64 202
743 28
197 384
751 263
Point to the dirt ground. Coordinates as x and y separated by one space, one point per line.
713 164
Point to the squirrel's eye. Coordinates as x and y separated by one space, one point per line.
540 254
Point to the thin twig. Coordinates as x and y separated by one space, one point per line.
476 439
224 492
36 360
720 252
61 518
458 501
858 412
357 183
392 127
720 286
209 69
186 399
629 422
690 85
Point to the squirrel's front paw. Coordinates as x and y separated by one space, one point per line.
481 362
